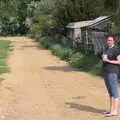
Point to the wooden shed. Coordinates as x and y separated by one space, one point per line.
89 35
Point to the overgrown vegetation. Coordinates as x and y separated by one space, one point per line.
49 22
84 61
16 16
45 21
13 17
5 47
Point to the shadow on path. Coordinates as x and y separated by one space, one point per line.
85 108
61 68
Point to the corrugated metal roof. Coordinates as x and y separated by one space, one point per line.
79 24
86 23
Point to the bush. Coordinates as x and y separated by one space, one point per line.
76 60
45 42
34 31
42 25
63 53
9 26
96 69
86 63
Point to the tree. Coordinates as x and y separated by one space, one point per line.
15 9
113 9
76 10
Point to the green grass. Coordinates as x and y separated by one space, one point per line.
3 63
5 47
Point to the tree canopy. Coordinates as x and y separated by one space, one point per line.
13 13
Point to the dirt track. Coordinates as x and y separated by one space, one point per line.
42 87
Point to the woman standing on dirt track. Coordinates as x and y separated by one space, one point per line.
111 61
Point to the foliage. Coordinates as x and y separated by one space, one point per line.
83 61
45 42
54 11
16 9
113 9
62 52
86 62
72 11
111 5
9 26
50 18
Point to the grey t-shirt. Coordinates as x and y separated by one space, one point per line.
112 54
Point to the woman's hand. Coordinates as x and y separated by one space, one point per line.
106 60
117 61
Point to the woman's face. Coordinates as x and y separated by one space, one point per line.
110 41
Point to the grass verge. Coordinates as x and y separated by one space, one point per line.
5 47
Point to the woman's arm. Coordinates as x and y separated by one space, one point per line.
113 61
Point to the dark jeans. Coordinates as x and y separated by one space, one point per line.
111 84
